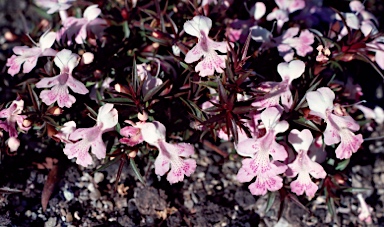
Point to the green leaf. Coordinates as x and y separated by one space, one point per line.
356 190
342 165
111 162
270 200
34 97
94 114
155 90
119 101
136 170
306 123
127 32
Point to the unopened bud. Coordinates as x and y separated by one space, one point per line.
132 154
27 123
120 88
87 58
55 111
13 144
142 116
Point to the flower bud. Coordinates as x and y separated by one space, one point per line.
13 144
132 154
55 111
27 123
142 116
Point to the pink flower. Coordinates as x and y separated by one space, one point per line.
259 150
303 166
13 116
199 27
66 61
13 144
339 128
79 27
172 156
286 7
86 138
54 5
377 46
149 81
364 210
281 90
302 43
287 43
27 56
65 131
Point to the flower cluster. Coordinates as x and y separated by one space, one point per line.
283 97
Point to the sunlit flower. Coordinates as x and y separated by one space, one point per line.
27 56
199 27
85 138
66 61
303 166
339 128
259 150
281 90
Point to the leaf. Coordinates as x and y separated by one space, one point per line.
6 190
343 164
94 114
155 90
119 101
136 170
331 206
357 190
109 163
49 186
34 97
270 200
306 123
127 32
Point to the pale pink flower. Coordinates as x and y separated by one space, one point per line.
285 7
287 43
359 9
352 21
13 116
79 27
149 81
323 54
303 166
13 143
54 5
199 27
259 150
65 131
339 128
85 138
364 210
172 156
27 56
377 46
281 90
66 61
258 10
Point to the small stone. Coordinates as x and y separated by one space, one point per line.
68 195
28 213
76 215
51 222
99 177
188 204
201 175
68 217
